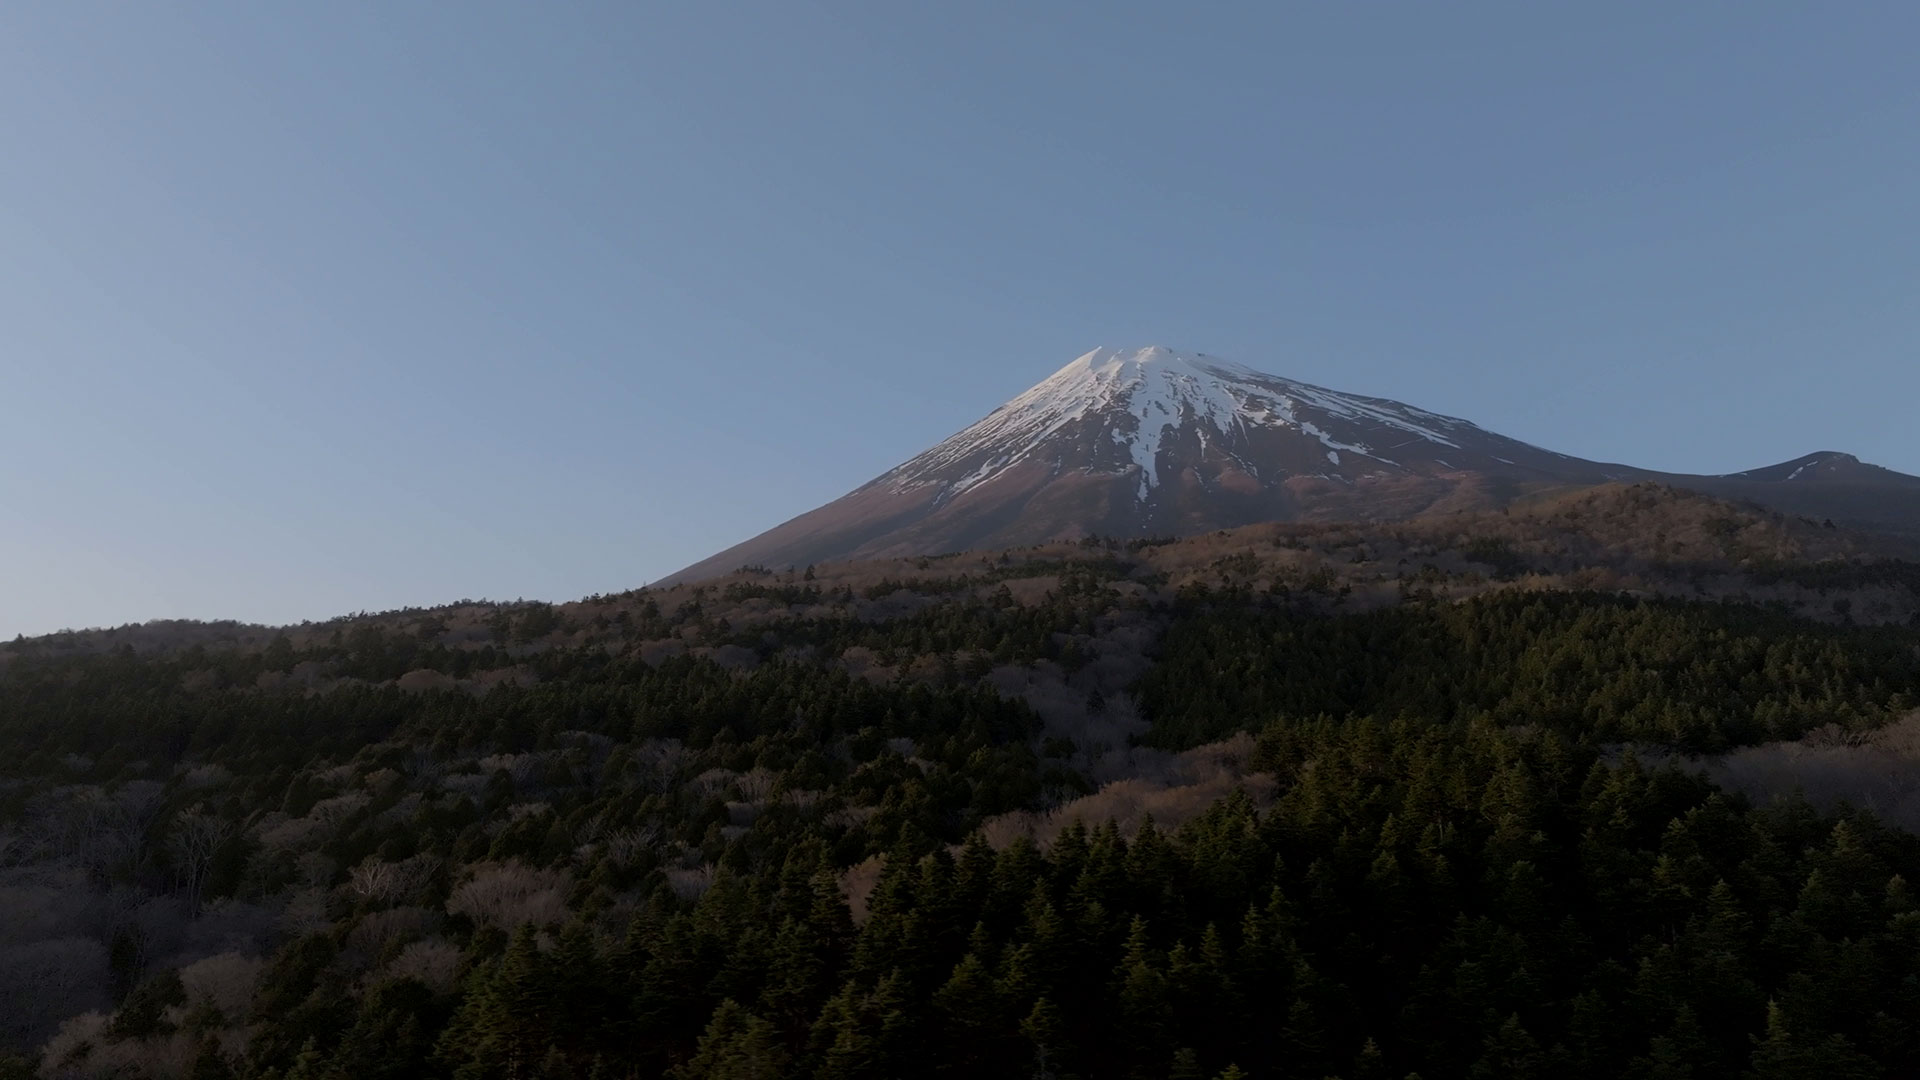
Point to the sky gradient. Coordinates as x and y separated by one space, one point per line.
309 309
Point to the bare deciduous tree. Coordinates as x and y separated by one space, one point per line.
195 838
625 846
756 785
508 894
388 882
690 883
433 962
227 980
712 782
106 832
44 982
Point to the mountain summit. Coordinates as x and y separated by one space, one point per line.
1160 442
1165 420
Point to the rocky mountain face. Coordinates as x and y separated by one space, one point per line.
1159 442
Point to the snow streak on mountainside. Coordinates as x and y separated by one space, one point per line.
1142 398
1159 442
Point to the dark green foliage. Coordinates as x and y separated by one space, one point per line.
737 1045
1691 675
1552 915
391 1034
1461 872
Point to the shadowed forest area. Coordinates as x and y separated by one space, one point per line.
1505 796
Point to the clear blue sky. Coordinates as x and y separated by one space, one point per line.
309 308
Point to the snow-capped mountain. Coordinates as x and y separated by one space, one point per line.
1148 414
1160 442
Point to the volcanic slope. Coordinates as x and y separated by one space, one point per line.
1159 442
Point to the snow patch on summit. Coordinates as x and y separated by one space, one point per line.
1142 397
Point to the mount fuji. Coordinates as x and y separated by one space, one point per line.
1161 442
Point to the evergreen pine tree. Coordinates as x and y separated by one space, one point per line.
307 1064
736 1045
1784 1055
1511 1054
970 1014
1046 1035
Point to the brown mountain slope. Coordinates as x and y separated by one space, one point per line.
1155 442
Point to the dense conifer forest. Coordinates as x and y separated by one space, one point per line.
820 826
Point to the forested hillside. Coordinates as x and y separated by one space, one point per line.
1291 802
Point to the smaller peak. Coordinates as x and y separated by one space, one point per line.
1819 464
